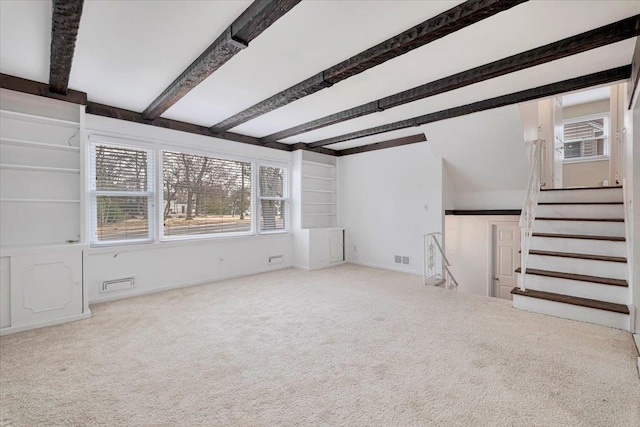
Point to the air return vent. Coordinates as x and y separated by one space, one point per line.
117 285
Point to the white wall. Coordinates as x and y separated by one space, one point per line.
632 198
169 264
485 158
467 245
381 203
5 292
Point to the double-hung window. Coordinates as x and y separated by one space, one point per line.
205 196
586 138
272 183
122 194
198 195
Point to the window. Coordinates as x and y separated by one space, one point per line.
272 195
121 194
197 195
205 196
586 138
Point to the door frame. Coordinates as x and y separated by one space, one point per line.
491 254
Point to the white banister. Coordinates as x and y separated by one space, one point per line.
528 215
436 264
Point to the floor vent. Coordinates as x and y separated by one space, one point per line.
117 285
275 259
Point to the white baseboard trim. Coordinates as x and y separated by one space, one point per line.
14 329
384 267
132 294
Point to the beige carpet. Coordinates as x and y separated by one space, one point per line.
344 346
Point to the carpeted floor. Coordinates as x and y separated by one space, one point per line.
344 346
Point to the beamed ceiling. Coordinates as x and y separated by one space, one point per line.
323 75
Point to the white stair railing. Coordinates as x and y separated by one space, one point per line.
528 215
436 264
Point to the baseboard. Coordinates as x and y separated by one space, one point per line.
384 267
133 294
66 319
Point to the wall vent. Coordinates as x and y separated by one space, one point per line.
117 285
276 259
398 259
406 260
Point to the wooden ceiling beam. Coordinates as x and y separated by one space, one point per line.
618 31
448 22
396 142
250 24
31 87
65 21
600 78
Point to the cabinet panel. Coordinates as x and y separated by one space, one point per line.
336 246
45 287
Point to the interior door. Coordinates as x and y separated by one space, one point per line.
506 259
558 143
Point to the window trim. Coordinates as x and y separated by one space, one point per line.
285 198
156 147
94 194
607 138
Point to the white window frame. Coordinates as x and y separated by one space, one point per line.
285 198
94 194
155 148
606 138
161 201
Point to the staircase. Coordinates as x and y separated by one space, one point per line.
576 266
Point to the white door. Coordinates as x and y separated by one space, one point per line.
336 246
506 259
558 143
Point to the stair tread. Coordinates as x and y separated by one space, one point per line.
573 276
580 188
578 256
567 299
579 236
581 203
554 218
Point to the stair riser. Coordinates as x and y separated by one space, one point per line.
577 288
589 228
579 246
580 211
611 270
573 312
599 195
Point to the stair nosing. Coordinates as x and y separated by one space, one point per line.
579 236
581 203
568 299
573 255
579 277
581 188
553 218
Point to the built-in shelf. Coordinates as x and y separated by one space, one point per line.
38 201
38 168
319 203
42 145
320 191
306 162
23 117
322 178
319 214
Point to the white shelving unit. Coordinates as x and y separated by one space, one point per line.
42 205
319 201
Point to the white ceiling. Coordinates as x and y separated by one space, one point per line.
128 51
585 96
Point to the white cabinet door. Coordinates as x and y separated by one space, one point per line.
45 287
336 246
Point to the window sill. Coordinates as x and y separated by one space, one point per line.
173 243
586 159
